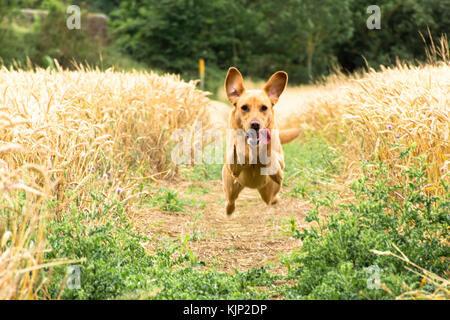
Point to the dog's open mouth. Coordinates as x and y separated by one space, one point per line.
255 137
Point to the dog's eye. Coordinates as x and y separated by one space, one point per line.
244 107
263 108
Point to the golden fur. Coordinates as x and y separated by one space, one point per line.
254 107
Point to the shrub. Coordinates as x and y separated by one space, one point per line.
51 39
114 260
336 261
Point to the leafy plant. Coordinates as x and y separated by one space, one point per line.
168 200
336 258
116 264
115 261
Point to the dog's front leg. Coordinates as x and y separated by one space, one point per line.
232 189
277 177
234 166
274 169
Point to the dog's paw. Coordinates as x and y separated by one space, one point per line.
275 200
230 209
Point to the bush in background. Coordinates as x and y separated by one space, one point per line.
53 40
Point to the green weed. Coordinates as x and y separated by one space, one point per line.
309 163
335 260
117 265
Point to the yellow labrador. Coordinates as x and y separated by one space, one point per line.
254 156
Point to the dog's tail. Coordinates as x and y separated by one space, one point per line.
288 135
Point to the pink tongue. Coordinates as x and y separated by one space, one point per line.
264 136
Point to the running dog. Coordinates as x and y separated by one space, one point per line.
254 156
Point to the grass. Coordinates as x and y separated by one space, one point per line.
312 165
333 263
117 266
392 129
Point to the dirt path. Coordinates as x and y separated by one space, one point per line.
255 236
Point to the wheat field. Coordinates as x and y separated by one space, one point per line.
59 129
62 133
380 115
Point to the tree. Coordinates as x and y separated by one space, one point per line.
104 6
303 37
7 7
174 34
401 22
318 26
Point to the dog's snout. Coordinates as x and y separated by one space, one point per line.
255 125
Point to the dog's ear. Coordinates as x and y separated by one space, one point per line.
234 85
275 86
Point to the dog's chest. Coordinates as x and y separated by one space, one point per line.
251 176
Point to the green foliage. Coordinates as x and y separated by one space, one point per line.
48 38
115 260
193 189
309 162
12 48
307 39
118 266
203 172
104 6
314 29
401 22
335 259
302 37
11 40
53 40
9 9
173 35
210 167
168 200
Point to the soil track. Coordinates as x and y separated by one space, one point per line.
255 236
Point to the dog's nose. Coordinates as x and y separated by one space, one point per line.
254 124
